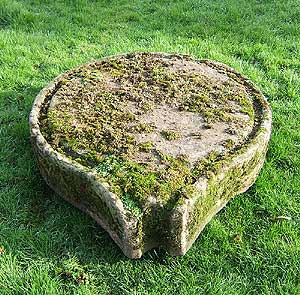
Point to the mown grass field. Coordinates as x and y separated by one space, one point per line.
49 247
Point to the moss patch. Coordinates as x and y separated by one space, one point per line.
170 134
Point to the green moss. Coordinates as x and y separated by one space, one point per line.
133 180
146 146
222 189
132 205
211 163
143 128
229 144
147 105
170 134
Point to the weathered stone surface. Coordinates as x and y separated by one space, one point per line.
196 131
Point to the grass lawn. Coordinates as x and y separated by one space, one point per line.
49 247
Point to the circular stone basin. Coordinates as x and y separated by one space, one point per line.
150 145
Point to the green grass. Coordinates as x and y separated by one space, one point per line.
49 247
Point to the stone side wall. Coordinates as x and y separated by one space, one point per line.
236 177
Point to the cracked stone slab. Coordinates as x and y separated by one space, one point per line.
150 145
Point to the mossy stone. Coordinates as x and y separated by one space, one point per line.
151 145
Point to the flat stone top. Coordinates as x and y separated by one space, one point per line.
151 124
